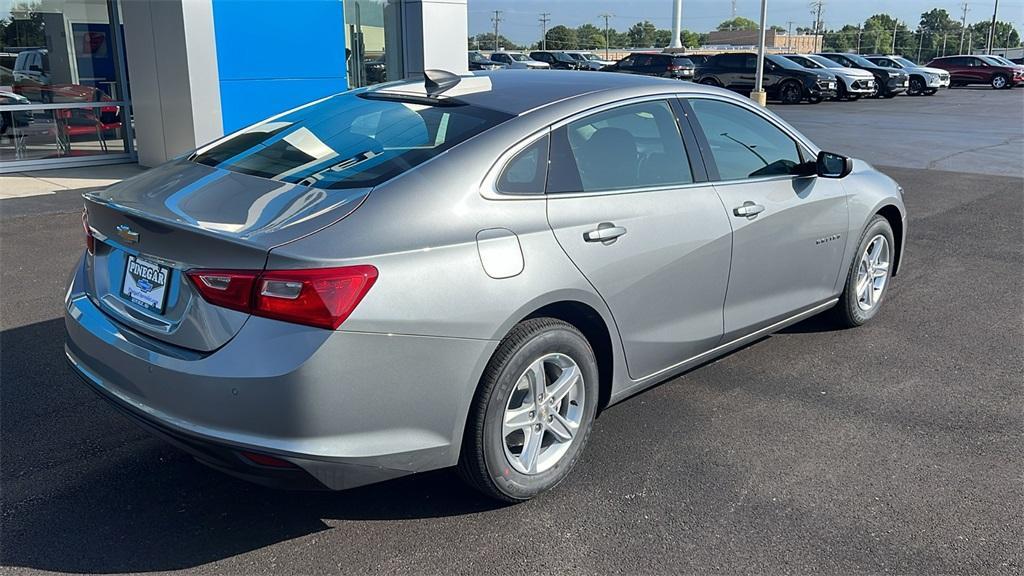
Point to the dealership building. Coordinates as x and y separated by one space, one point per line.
102 81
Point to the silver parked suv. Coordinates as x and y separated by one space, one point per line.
462 271
851 83
923 80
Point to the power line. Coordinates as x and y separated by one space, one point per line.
545 17
497 20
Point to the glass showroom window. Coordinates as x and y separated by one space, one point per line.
373 41
63 99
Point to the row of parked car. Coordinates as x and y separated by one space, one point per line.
788 78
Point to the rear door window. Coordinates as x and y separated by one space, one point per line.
632 146
348 141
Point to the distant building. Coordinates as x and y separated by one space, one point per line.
773 40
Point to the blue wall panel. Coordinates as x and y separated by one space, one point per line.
273 55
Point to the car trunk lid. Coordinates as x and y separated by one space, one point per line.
153 228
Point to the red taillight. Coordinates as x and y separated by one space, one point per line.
322 297
266 460
227 288
90 240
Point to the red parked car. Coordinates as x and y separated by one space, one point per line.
964 70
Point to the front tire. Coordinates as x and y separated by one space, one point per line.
791 93
917 86
1000 81
532 413
868 278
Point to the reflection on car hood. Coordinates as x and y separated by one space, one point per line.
230 204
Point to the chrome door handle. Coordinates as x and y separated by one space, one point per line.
748 209
606 233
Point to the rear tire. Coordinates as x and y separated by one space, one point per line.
528 425
869 276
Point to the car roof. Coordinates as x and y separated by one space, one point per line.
519 91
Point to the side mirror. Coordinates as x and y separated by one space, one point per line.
831 165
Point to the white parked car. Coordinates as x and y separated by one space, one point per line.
588 60
518 60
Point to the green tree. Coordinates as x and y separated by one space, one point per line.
662 38
562 38
878 35
977 36
23 32
485 41
778 29
842 40
738 23
641 34
690 39
590 37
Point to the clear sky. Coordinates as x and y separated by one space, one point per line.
521 25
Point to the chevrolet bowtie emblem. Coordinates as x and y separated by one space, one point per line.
127 234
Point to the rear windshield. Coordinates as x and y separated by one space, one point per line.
352 140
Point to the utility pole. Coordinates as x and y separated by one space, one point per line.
963 26
895 31
920 44
816 7
944 34
734 8
992 29
497 20
607 38
789 36
545 17
970 40
860 32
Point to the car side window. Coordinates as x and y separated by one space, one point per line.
743 144
527 171
627 62
632 146
730 61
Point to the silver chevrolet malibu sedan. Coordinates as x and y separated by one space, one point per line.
462 271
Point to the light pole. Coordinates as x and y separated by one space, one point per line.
677 24
992 29
758 94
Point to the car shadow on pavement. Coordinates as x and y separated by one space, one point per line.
85 490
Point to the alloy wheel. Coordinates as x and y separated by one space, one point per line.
543 413
872 272
791 94
916 87
999 82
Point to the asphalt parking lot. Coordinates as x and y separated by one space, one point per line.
893 448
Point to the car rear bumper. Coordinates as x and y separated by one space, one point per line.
344 408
